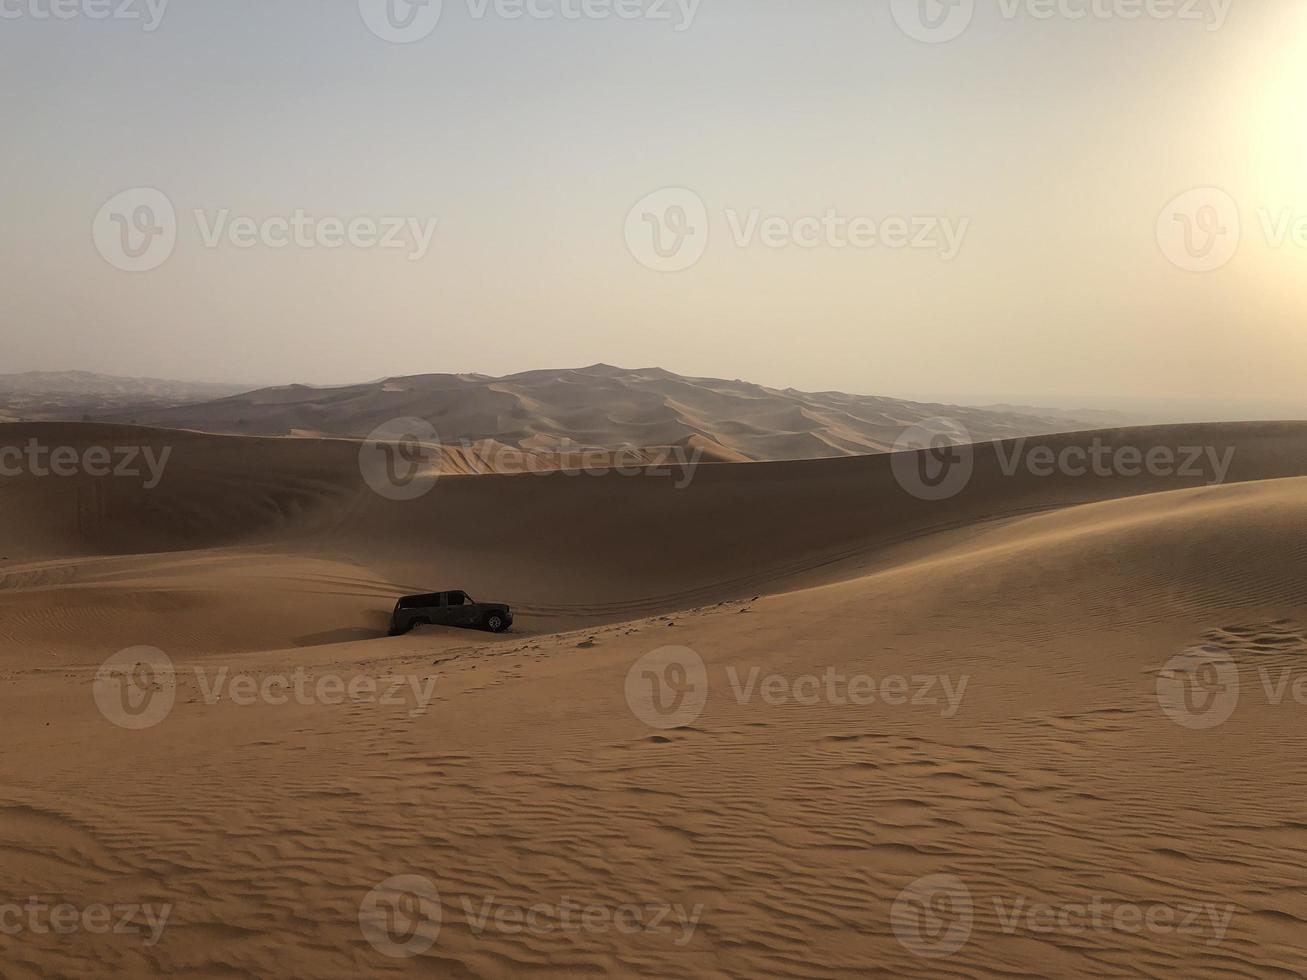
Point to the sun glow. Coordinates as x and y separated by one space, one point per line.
1279 119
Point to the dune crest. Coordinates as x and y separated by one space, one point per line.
603 407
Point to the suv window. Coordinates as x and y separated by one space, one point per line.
455 598
419 601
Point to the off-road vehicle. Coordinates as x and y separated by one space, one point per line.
449 609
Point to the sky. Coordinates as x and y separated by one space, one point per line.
1060 202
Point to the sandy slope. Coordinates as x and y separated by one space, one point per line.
1047 606
600 406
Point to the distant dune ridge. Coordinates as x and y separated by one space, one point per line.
600 407
54 395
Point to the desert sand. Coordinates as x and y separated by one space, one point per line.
1027 757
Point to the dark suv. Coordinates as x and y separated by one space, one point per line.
449 609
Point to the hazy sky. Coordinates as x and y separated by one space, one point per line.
1031 160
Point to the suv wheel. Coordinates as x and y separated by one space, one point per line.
495 622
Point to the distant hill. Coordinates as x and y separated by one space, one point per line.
41 395
1081 418
599 406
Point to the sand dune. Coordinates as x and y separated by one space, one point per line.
600 406
586 547
1040 768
